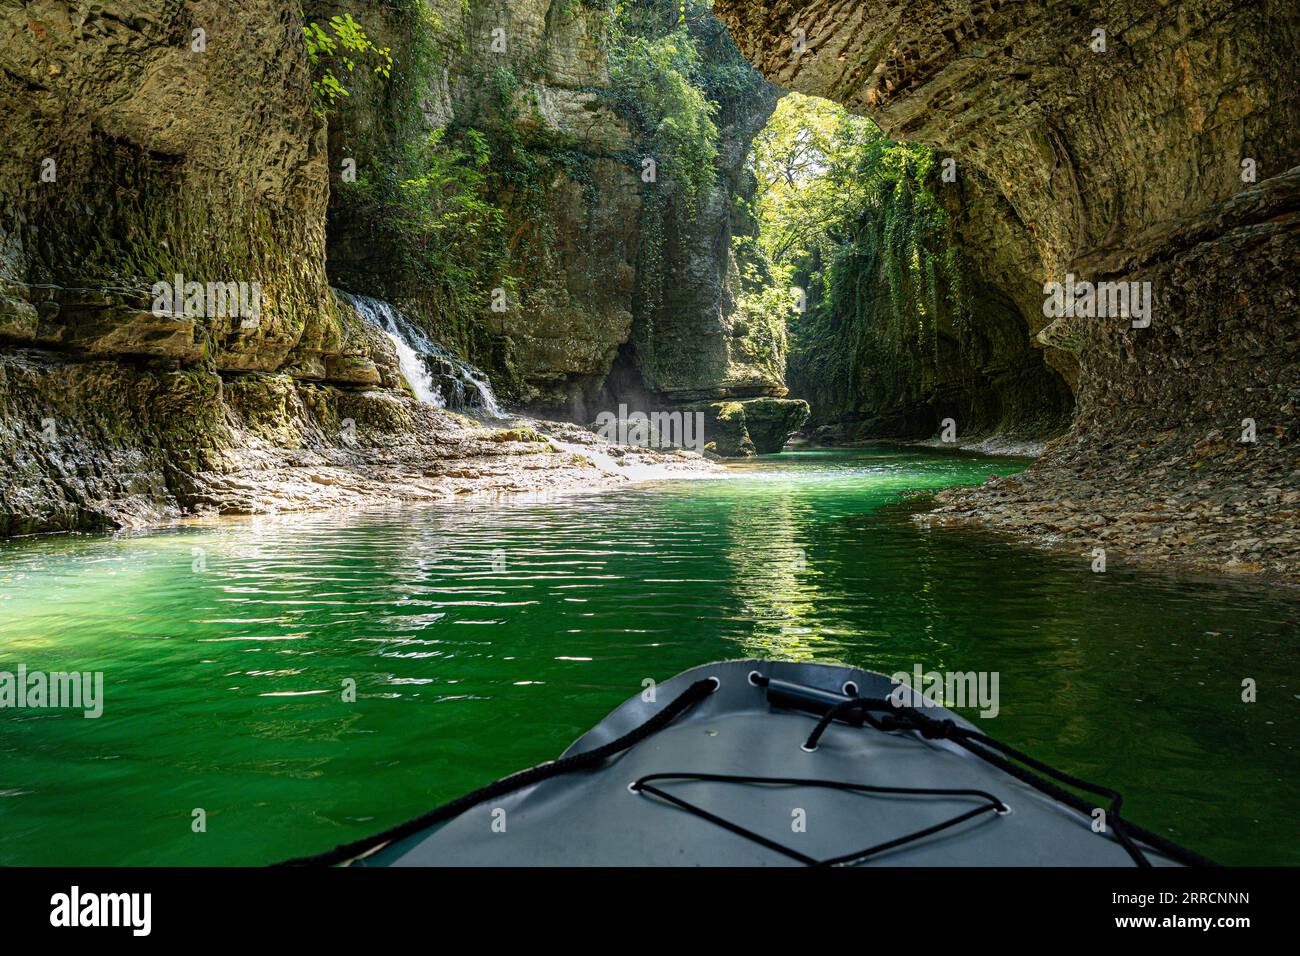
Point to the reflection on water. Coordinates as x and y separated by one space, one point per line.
484 637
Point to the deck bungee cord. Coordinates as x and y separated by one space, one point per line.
550 797
906 718
993 804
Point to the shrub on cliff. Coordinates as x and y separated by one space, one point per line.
653 75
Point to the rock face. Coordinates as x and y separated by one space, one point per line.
690 346
754 426
138 149
1131 157
154 148
577 335
571 199
143 141
1194 458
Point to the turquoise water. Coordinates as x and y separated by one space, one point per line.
485 637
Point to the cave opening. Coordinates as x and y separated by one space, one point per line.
855 260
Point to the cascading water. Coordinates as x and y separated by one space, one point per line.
436 375
487 399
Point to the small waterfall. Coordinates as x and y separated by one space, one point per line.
486 398
437 376
414 369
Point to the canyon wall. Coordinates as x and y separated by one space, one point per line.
528 78
151 143
143 141
969 359
693 347
608 294
1160 151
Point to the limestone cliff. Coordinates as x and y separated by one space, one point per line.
146 140
691 345
606 293
174 210
527 77
566 174
970 361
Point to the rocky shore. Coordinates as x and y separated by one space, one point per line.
1190 511
245 468
465 459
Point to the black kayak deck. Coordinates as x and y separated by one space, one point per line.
590 817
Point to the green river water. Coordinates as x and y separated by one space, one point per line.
486 636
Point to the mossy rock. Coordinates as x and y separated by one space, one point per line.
771 421
748 427
725 434
523 434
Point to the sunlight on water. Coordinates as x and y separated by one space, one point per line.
485 637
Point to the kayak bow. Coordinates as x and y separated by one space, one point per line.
759 763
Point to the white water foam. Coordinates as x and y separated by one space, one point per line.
415 371
416 352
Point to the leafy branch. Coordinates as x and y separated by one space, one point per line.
336 47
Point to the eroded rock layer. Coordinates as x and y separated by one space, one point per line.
592 316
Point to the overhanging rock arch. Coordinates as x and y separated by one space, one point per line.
1145 142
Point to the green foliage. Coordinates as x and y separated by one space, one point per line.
571 8
426 198
518 172
420 59
432 211
655 76
335 48
806 162
662 84
853 214
762 313
449 223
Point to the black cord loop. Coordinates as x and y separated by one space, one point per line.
991 805
906 718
